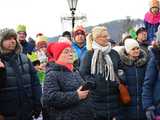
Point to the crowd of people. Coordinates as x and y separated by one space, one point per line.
78 77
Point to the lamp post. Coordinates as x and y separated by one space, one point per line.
72 5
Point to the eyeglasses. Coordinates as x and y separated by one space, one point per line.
79 33
66 51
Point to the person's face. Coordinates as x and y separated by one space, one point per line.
21 36
102 39
154 10
142 36
134 52
43 49
66 56
9 44
80 37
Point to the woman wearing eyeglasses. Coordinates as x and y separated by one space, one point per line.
63 93
134 62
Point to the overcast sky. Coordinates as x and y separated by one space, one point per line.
44 15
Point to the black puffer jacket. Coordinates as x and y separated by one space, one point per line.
105 98
19 99
60 95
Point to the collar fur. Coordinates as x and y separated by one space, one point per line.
142 60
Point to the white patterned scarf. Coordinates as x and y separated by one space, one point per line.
101 61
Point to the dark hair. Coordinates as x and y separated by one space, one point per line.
141 29
121 42
66 33
37 62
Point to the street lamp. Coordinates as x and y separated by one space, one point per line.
72 5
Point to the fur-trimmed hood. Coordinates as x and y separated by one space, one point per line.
142 60
4 33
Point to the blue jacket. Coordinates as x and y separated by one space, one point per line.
151 86
151 30
60 95
134 72
27 47
79 51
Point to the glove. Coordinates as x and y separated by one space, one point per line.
150 113
36 112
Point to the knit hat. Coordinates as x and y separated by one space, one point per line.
129 44
39 34
41 41
79 29
154 3
5 33
55 49
21 28
64 39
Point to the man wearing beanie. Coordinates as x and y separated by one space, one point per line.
20 91
79 43
22 34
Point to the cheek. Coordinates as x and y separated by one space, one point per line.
5 44
137 53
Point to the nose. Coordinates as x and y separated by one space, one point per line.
70 53
13 40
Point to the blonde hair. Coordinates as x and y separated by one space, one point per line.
96 32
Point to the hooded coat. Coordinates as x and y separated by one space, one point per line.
134 73
20 91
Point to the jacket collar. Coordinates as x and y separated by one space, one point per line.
142 60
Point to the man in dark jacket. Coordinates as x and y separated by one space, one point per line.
20 90
79 44
142 39
22 34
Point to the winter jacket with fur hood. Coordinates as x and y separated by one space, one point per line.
134 72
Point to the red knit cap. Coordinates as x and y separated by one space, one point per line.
54 50
79 29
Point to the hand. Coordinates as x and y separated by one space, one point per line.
82 94
36 112
150 113
1 64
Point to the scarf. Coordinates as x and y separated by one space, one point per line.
152 19
101 61
67 65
